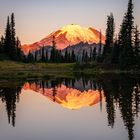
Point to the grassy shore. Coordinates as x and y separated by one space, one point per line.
18 70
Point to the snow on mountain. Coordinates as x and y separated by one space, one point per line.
67 36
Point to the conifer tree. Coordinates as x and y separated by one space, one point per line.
69 57
91 55
73 59
36 56
66 56
52 56
83 56
59 56
86 57
43 55
13 54
12 46
94 54
19 53
53 51
109 37
100 44
47 58
125 37
30 58
7 42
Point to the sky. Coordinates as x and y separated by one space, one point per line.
35 19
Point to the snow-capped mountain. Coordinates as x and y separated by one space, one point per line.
67 36
67 97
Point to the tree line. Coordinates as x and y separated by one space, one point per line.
54 56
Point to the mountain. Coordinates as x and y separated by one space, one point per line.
67 36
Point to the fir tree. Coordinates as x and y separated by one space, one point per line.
59 56
100 45
66 56
86 57
19 53
13 54
69 58
125 37
109 37
73 58
52 56
94 54
47 58
36 56
43 55
7 42
91 55
53 51
30 58
12 46
83 56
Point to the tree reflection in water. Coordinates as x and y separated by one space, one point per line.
119 91
10 96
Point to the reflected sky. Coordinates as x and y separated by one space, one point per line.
39 118
77 109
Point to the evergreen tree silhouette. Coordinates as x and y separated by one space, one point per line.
47 58
10 96
125 38
13 54
7 42
43 55
94 54
53 51
109 44
66 57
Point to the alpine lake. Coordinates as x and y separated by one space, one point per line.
82 107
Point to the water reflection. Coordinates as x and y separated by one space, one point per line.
69 97
119 92
10 96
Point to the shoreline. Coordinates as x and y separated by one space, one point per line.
18 70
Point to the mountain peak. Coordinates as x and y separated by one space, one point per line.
76 33
68 35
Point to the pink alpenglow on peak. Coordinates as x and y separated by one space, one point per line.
67 36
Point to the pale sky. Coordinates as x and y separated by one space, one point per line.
35 19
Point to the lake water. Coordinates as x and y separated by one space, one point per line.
82 108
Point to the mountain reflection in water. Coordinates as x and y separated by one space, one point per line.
119 92
66 96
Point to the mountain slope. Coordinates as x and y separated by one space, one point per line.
67 36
